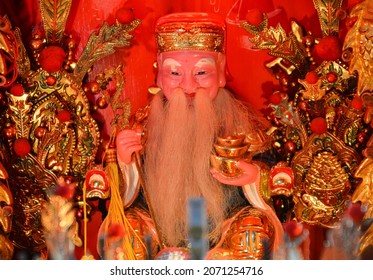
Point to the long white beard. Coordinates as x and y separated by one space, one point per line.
177 163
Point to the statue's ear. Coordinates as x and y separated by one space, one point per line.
158 71
221 69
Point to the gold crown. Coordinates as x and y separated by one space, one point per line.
190 31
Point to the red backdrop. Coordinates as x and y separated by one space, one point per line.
248 78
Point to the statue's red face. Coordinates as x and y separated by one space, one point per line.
191 70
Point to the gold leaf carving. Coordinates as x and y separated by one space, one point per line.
102 44
23 61
279 43
54 14
360 40
20 108
326 10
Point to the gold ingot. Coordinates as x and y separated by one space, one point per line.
231 151
226 166
234 140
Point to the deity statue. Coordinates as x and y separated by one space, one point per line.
196 140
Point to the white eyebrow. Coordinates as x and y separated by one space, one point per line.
204 61
171 62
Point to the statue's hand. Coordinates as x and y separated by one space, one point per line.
128 141
249 175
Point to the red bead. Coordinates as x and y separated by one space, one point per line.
124 15
254 17
51 80
40 132
290 147
17 90
362 137
319 125
101 102
303 106
357 103
347 55
94 87
51 58
22 147
312 77
329 48
332 77
275 98
63 116
341 14
9 131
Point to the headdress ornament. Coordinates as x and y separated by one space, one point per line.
190 31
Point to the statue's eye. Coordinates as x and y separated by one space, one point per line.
199 73
175 73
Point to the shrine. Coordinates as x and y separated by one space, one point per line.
186 130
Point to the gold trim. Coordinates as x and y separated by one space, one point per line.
177 36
